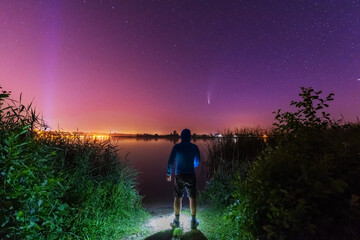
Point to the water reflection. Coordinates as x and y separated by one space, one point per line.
141 139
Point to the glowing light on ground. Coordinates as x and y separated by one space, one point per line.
162 222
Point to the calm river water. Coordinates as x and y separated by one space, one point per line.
149 158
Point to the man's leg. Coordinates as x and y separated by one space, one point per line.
177 205
192 200
177 208
179 191
194 221
193 206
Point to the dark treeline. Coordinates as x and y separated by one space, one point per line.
242 133
174 135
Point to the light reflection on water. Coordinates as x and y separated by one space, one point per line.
149 158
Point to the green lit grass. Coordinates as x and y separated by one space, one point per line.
214 226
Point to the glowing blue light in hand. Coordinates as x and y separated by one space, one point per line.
196 161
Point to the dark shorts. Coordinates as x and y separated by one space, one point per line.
187 182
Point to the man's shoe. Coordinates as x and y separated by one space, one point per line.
175 223
194 223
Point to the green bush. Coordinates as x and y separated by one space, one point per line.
31 190
56 187
219 190
306 187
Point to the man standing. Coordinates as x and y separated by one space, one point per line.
186 157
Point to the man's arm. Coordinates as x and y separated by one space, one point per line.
171 162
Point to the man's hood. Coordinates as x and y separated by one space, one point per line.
185 135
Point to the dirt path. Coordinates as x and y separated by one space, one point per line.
160 221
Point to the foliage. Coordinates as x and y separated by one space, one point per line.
102 189
16 115
56 187
228 156
307 115
215 227
218 190
31 190
306 187
231 152
178 232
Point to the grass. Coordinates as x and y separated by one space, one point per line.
214 225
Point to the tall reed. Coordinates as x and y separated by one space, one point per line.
228 156
236 150
56 187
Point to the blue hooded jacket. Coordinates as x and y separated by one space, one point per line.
185 155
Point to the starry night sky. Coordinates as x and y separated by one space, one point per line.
156 66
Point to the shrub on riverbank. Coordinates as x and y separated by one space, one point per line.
306 187
53 187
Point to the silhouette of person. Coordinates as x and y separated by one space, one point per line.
186 157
